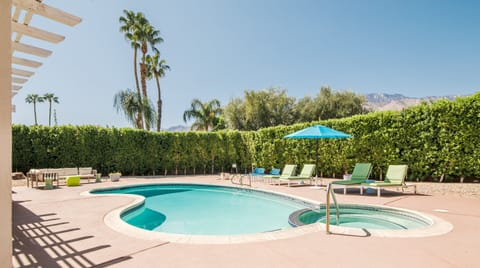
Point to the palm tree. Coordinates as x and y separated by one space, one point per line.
34 98
147 35
157 69
132 106
206 114
50 97
129 24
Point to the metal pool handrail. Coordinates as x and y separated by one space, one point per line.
240 181
327 209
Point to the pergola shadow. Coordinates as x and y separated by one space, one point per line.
37 242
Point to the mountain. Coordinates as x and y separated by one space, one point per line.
178 128
396 102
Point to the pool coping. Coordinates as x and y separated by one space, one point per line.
113 220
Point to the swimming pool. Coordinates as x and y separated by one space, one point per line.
206 209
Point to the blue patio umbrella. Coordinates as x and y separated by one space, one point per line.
317 132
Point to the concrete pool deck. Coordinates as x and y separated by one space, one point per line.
62 228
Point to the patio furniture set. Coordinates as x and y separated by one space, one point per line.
72 176
395 177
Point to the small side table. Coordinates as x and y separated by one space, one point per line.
369 190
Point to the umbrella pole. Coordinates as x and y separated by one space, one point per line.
316 162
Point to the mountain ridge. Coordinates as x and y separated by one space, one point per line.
396 101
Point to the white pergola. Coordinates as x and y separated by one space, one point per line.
15 18
22 13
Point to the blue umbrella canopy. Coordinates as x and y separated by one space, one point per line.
317 132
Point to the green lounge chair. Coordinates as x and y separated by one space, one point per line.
305 174
395 177
287 171
360 173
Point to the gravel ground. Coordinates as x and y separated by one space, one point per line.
468 190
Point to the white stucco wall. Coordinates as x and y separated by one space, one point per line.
5 135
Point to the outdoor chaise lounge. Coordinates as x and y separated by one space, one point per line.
395 177
287 171
360 173
274 173
305 174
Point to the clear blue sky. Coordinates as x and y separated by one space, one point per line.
219 48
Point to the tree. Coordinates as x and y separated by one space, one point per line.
235 114
129 102
34 98
260 109
147 35
128 26
141 34
50 97
157 69
329 104
206 114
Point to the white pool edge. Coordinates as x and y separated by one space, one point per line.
113 220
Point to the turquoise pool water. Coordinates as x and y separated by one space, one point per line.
363 216
207 209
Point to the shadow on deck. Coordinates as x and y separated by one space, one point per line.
39 241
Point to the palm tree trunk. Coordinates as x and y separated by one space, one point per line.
140 116
35 111
159 103
143 78
49 113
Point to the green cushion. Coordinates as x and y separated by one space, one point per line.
306 173
348 182
395 176
361 171
288 170
72 180
381 184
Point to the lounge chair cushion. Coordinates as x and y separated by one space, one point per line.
258 172
306 173
395 177
360 173
275 172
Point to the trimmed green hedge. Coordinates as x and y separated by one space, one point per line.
436 140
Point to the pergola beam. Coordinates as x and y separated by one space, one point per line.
19 72
26 62
48 12
40 52
37 33
16 14
26 21
16 88
19 80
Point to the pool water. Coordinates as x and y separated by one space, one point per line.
363 216
207 209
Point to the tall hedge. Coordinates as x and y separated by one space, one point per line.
437 141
